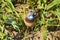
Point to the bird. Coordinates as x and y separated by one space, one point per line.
30 18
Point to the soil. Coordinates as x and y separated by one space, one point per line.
37 36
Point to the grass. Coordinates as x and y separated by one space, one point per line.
49 15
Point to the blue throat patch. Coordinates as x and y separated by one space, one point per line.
30 17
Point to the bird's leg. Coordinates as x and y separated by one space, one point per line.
29 29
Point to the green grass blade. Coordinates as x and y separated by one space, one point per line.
44 32
52 4
10 5
44 1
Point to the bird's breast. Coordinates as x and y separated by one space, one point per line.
28 22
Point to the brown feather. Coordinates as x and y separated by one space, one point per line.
29 20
